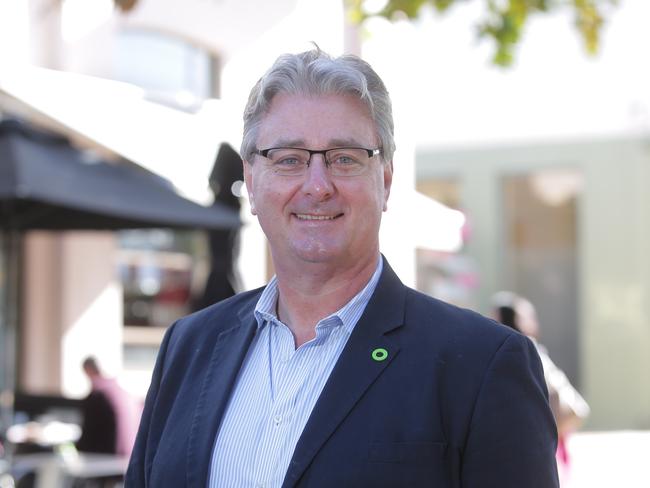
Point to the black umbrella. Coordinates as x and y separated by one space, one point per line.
223 280
47 184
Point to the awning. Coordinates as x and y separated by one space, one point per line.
45 183
424 222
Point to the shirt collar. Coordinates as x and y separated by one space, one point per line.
348 315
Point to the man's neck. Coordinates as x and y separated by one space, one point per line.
315 292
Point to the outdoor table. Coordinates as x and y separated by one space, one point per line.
61 470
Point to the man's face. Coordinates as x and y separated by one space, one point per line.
317 217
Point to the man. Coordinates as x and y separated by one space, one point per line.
110 415
336 374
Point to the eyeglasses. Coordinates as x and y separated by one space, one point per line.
340 161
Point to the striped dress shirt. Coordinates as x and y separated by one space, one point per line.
275 392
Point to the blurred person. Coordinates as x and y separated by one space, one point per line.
110 415
335 373
569 407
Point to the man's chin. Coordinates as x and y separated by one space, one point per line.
318 257
318 253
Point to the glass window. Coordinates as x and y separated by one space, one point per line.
165 65
158 271
162 272
540 216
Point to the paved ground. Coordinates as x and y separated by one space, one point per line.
609 460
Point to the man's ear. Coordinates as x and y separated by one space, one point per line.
248 179
388 182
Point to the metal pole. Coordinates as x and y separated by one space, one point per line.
8 320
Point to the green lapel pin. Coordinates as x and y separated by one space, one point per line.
379 354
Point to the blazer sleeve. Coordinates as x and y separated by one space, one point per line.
512 437
146 440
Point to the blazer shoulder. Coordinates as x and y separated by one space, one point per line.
449 323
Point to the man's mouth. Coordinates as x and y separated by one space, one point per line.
317 217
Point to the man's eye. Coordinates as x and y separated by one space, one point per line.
344 160
288 161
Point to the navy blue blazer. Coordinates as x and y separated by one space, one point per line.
460 401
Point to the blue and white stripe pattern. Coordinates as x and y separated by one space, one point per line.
275 392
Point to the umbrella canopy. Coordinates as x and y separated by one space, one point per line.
223 280
47 184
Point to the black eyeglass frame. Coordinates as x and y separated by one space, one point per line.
265 152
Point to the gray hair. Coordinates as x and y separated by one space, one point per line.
317 73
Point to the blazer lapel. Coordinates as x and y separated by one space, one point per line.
354 372
227 356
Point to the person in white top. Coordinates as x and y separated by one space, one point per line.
569 408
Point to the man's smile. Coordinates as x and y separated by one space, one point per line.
316 217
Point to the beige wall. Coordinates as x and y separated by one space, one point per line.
73 308
40 354
613 264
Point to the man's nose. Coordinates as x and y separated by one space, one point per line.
318 180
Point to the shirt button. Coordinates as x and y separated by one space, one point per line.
277 420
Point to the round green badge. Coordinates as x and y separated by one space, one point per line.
379 354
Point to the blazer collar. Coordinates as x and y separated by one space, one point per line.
355 370
353 374
229 351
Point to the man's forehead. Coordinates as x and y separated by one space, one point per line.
295 102
329 120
